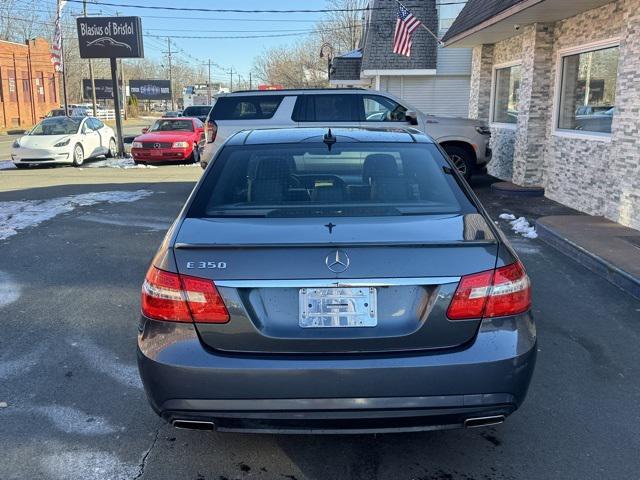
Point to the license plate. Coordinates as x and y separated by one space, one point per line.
338 307
156 153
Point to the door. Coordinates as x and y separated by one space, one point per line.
90 140
103 134
328 110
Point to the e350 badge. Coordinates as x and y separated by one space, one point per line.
207 265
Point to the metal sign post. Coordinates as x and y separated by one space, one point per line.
112 38
116 101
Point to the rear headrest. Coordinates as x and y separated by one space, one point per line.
274 168
379 165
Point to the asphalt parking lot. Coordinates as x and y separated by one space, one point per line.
72 405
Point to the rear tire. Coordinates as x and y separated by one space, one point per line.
112 148
137 162
78 155
461 159
195 156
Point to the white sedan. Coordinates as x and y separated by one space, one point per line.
58 140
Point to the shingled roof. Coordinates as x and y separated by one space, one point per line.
475 12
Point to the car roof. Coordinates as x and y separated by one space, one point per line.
316 134
294 91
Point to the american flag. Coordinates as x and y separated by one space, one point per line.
56 55
405 26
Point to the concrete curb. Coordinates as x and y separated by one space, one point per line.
596 264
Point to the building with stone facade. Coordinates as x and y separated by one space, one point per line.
28 83
559 83
432 79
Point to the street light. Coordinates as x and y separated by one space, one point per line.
329 57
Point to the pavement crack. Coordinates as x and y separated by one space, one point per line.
143 462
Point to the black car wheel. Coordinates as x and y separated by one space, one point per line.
461 159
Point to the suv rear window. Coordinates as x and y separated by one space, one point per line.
196 111
308 180
253 107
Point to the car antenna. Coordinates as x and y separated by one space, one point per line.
329 139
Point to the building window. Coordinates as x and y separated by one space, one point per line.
26 87
40 87
52 89
588 90
505 94
13 94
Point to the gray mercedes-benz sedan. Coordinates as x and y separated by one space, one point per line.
334 281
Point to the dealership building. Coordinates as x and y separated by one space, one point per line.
559 83
28 83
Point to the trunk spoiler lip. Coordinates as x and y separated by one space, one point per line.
341 282
452 243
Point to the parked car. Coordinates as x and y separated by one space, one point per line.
340 280
466 141
169 140
56 112
201 112
172 114
60 140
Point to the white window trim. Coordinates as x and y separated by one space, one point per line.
566 52
492 97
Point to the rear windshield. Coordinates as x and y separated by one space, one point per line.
196 111
252 107
351 180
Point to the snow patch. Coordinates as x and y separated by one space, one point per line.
108 363
7 165
74 421
18 215
125 163
9 290
20 365
520 225
87 465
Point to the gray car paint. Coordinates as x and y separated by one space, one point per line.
184 366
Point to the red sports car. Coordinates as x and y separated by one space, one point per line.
169 140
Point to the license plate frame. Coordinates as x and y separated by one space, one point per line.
338 307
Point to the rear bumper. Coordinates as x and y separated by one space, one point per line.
333 393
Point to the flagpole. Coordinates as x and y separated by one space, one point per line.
64 75
440 43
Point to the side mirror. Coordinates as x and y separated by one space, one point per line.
145 129
412 117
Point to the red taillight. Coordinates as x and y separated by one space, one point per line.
494 293
212 131
179 298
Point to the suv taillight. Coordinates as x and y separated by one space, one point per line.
494 293
212 131
181 298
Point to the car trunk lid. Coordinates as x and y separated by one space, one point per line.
406 271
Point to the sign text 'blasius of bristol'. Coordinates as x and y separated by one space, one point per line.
110 37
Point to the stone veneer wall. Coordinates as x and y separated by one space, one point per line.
502 139
596 177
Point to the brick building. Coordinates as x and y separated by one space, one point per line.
559 83
28 83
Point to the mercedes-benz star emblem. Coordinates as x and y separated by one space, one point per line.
156 145
337 261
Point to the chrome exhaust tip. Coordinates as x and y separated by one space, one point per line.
477 422
193 425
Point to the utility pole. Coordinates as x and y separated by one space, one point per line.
170 72
231 82
209 83
250 82
93 83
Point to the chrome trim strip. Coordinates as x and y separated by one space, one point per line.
336 282
453 243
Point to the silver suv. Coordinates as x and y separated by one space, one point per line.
466 141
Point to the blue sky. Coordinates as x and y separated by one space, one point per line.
236 53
